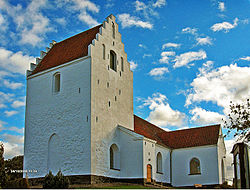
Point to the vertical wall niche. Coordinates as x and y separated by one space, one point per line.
113 62
54 154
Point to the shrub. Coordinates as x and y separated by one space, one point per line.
55 182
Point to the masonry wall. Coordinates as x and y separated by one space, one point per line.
208 164
63 114
221 158
111 95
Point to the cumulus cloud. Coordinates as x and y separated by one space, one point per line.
204 41
31 24
159 3
15 62
3 23
247 58
139 6
17 104
220 86
129 21
13 145
189 30
10 113
61 21
133 65
224 26
221 6
161 113
166 55
188 57
159 72
204 117
170 45
84 7
12 85
5 98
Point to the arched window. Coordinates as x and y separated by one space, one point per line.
114 157
122 67
54 154
113 60
159 162
103 51
113 30
57 82
195 166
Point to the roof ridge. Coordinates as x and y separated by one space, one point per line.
192 128
80 33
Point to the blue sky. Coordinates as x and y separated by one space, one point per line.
190 58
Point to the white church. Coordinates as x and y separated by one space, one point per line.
79 119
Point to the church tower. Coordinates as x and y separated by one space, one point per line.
78 93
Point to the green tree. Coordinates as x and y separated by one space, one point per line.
239 120
2 167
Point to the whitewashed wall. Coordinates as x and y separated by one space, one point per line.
208 157
221 156
165 176
64 114
107 86
131 154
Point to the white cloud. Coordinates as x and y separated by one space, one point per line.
61 21
13 145
17 104
3 23
158 71
166 55
142 46
133 65
204 41
220 86
171 45
225 26
247 58
10 113
186 58
129 21
5 98
83 6
31 24
189 30
221 6
161 113
140 6
204 117
15 62
159 3
146 55
12 85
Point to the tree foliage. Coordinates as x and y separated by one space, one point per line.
239 120
2 167
55 182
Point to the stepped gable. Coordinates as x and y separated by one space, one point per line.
68 50
193 137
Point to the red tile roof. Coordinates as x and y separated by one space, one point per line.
68 50
192 137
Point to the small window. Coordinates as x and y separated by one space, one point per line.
112 60
159 162
103 51
113 30
122 67
195 166
57 82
